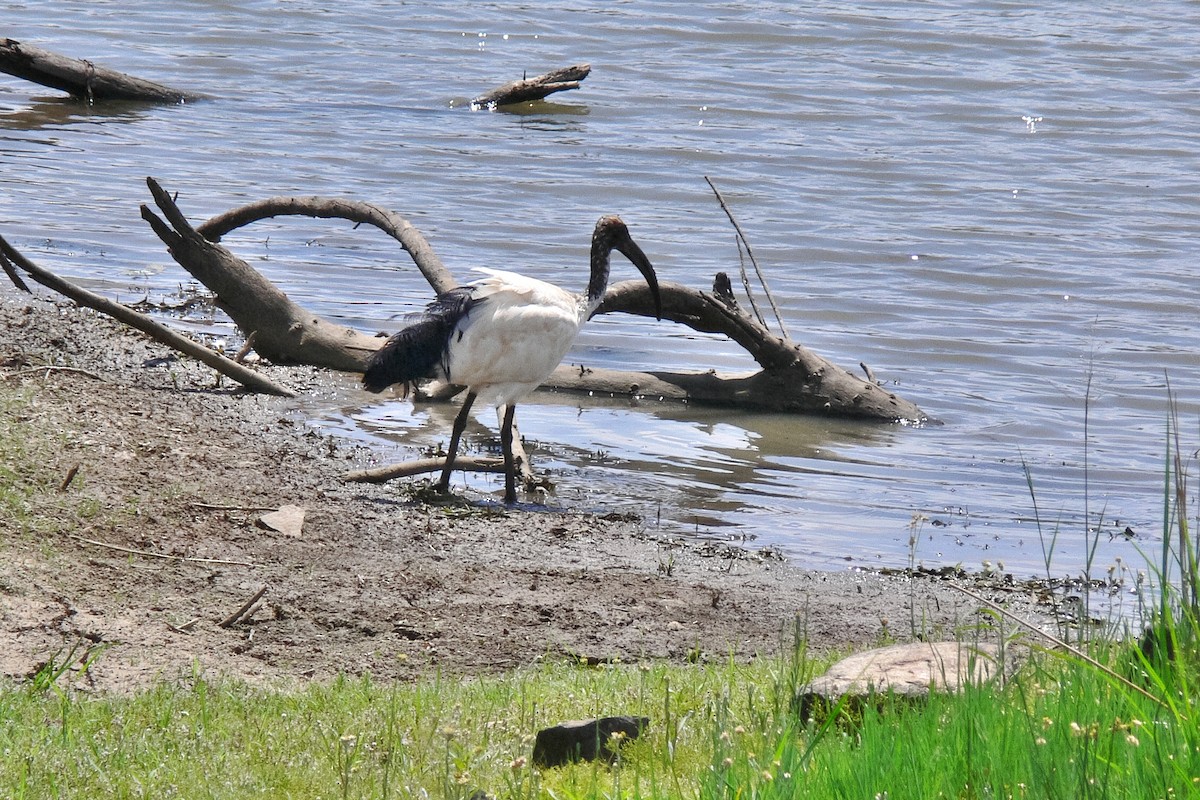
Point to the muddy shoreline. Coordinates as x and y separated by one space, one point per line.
157 538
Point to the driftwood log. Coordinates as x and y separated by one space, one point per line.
421 466
81 78
791 378
536 88
283 331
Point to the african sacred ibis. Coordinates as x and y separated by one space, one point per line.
501 337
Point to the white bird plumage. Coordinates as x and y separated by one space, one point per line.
508 345
501 337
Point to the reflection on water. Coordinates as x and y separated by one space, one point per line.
65 111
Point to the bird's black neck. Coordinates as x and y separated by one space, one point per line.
602 245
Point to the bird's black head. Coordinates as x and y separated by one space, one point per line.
612 234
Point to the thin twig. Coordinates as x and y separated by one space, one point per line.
746 280
71 473
47 369
245 349
150 554
215 507
11 271
761 279
241 612
1075 651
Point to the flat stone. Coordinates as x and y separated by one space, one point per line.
909 671
288 520
585 740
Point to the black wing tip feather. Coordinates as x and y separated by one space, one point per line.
415 352
385 368
410 355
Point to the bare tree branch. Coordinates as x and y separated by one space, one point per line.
389 222
750 253
285 332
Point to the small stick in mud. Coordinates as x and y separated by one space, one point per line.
151 554
241 612
421 466
71 473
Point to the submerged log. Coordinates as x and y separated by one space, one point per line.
791 379
81 78
536 88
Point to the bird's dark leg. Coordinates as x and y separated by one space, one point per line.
510 461
460 422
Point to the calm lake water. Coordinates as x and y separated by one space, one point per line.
993 205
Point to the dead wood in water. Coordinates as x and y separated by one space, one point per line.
284 332
82 78
389 222
536 88
791 378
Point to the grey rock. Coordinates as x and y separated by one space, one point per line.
906 671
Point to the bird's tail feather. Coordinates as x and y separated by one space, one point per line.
416 352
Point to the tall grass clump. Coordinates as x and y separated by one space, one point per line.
1167 658
15 477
